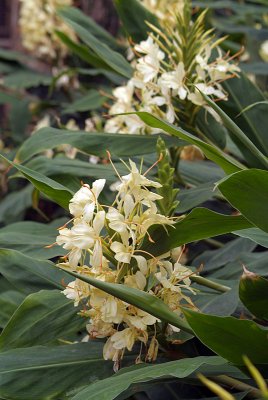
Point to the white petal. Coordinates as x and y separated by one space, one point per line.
128 205
97 186
140 280
117 247
98 222
142 264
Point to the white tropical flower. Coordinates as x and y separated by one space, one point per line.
84 201
175 80
197 98
76 291
123 252
124 339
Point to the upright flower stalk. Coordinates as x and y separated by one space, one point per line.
105 243
171 69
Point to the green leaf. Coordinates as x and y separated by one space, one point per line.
90 143
30 275
134 17
253 292
200 172
213 259
19 118
201 223
248 192
257 68
13 55
190 198
25 79
138 298
238 135
115 60
42 373
91 101
31 238
256 262
222 304
88 24
74 167
43 318
242 93
255 234
10 299
14 204
211 128
229 337
226 162
52 189
112 387
83 52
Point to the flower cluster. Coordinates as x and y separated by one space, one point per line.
38 21
170 72
105 242
165 12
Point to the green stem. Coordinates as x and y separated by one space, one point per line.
210 284
214 243
236 384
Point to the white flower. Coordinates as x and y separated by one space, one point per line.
221 69
110 353
82 237
175 80
84 201
134 182
141 319
197 98
123 253
117 221
76 291
149 65
112 310
124 339
124 94
149 47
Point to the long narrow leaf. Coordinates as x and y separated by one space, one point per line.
138 298
52 189
227 163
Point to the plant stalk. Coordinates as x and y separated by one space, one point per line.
236 384
210 284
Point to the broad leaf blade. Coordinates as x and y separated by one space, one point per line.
138 298
200 223
52 189
43 373
29 274
115 60
248 192
43 318
112 387
230 338
90 143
